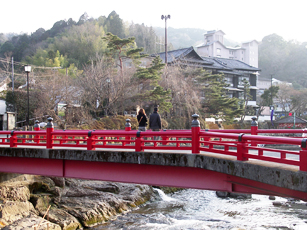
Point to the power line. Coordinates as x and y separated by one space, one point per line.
33 66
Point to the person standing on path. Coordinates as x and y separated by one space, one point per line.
142 120
155 121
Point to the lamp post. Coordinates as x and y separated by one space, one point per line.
108 101
165 17
271 90
28 70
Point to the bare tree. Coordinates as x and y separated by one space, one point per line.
185 96
285 95
104 89
48 89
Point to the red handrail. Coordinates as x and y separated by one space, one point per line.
232 142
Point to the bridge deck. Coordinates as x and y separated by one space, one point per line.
165 168
204 153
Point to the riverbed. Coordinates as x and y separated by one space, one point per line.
201 209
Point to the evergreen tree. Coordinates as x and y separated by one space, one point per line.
114 25
268 95
119 48
215 101
152 93
247 110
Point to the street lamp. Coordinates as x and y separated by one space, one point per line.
108 101
28 70
165 17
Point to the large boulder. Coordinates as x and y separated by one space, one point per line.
14 204
72 203
95 202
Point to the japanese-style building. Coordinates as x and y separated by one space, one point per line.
288 123
235 71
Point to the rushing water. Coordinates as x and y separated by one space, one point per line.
200 209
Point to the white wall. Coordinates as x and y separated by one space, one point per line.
2 107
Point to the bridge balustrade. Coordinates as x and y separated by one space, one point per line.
235 143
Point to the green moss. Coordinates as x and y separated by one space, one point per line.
94 221
39 187
295 180
231 167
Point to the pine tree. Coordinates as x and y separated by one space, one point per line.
154 93
119 48
215 102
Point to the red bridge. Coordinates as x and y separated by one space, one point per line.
222 160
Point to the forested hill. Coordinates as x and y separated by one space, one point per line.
79 42
284 60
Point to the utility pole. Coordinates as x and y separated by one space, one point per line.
13 75
271 90
165 18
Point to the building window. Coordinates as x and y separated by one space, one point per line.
229 95
241 79
229 81
143 64
241 95
218 50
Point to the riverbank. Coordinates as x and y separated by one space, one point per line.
74 203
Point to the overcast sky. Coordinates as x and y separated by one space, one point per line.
241 20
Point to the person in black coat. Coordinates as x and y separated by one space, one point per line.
142 120
155 121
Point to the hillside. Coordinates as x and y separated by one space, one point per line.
77 42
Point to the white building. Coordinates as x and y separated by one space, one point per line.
265 83
213 46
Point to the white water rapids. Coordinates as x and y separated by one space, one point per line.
200 209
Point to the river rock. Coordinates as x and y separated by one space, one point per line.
224 194
30 222
95 202
14 203
240 195
72 203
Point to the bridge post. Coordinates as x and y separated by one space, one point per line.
138 142
195 128
254 129
165 139
13 140
36 128
241 149
127 128
90 141
49 136
303 155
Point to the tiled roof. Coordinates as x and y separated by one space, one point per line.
290 120
187 54
235 64
216 64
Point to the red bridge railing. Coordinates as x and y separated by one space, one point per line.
235 143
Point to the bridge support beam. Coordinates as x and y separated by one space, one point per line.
172 176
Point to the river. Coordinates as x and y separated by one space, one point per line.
201 209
